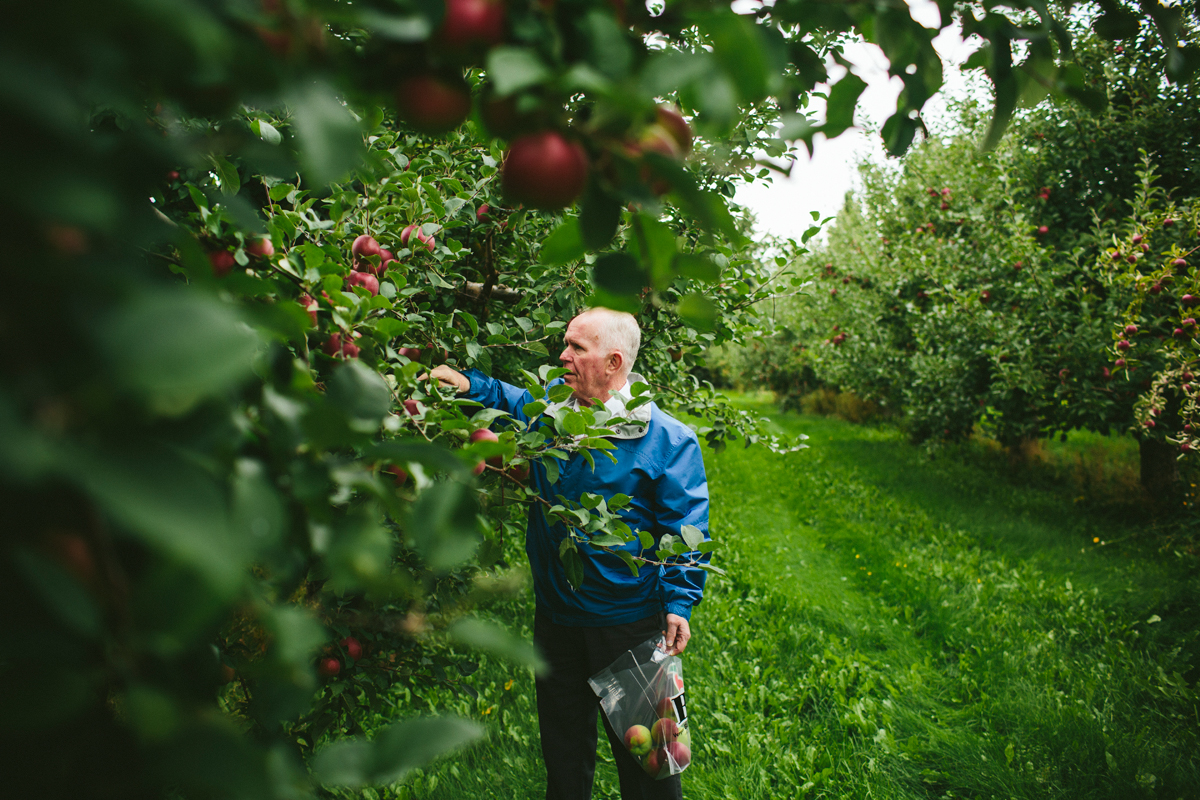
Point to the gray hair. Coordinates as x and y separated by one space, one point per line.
620 332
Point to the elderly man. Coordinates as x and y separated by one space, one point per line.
658 465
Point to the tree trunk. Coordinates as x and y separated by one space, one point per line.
1160 471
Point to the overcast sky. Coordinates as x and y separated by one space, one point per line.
820 184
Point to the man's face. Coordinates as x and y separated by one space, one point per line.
590 367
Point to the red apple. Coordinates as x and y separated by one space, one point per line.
664 730
1137 238
261 247
353 647
680 753
222 262
481 212
399 474
519 473
329 667
945 206
310 305
1123 345
471 24
1120 363
173 175
335 345
545 170
433 104
364 279
411 353
74 554
485 435
655 762
1131 329
1189 300
364 246
385 257
407 233
1043 230
637 740
412 407
670 119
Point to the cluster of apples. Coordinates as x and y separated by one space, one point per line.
223 261
545 167
329 665
665 743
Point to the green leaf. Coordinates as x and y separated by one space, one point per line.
631 562
698 311
619 500
741 53
574 424
60 592
559 393
843 99
619 273
695 265
552 470
176 348
442 526
393 753
599 215
361 393
609 50
331 144
267 132
692 535
572 563
227 175
511 69
646 539
1116 25
492 638
172 505
564 244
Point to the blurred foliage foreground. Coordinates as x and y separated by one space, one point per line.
235 524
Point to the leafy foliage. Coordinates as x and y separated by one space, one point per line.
234 513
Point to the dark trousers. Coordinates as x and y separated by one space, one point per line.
567 709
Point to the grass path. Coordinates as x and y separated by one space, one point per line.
899 628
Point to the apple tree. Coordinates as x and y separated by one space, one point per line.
1155 341
239 525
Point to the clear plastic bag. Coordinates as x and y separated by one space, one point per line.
642 696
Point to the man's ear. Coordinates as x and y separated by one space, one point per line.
615 362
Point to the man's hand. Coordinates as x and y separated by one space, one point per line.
449 378
677 634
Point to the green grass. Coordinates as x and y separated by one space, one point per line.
895 627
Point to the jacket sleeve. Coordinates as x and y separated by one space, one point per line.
682 499
497 394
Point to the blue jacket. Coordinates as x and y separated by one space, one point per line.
663 473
